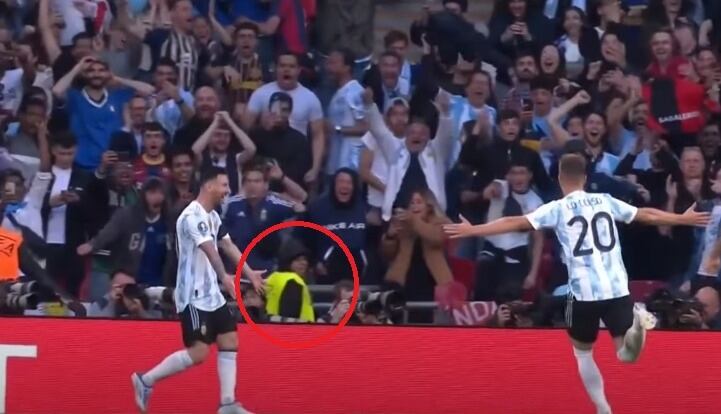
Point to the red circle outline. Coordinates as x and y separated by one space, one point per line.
322 338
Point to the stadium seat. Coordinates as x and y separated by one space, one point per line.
464 271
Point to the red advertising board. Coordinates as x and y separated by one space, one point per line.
66 366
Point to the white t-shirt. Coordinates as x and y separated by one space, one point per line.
197 282
379 168
11 90
73 18
56 219
306 106
528 201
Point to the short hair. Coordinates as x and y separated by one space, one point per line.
134 291
284 53
179 152
342 285
572 166
166 61
64 140
394 36
545 82
389 53
247 26
522 53
255 166
210 174
348 57
29 101
81 36
173 3
154 127
505 114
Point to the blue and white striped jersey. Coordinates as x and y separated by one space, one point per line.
197 282
586 228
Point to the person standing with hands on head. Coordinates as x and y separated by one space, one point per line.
597 276
95 111
204 314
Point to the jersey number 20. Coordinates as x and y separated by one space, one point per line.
578 250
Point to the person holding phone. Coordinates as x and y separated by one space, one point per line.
64 212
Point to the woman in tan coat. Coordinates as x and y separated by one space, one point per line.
414 246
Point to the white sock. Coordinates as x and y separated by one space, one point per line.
172 364
227 367
592 379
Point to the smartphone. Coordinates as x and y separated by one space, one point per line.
527 104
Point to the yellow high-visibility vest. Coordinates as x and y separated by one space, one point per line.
275 284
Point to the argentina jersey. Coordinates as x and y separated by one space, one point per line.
586 228
197 282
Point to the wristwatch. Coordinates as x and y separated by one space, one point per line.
338 129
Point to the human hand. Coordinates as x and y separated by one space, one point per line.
691 217
84 249
691 318
459 230
311 176
671 188
493 190
503 315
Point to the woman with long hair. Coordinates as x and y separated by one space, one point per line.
414 245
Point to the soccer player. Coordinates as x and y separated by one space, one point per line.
204 315
585 226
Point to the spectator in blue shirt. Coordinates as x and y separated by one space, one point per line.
256 210
95 112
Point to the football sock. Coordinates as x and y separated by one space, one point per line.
174 363
592 379
227 367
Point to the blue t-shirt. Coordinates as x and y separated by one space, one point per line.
152 263
93 123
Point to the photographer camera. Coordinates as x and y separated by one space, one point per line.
701 312
512 312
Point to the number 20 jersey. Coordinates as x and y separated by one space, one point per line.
585 224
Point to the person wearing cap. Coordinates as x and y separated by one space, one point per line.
139 237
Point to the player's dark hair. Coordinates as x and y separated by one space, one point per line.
572 166
210 174
347 55
80 36
390 53
29 101
284 53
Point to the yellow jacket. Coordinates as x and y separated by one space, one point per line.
275 284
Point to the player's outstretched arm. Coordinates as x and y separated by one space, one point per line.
662 218
255 276
500 226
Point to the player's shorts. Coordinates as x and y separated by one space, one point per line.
583 317
199 325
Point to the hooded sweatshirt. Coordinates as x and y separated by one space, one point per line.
347 220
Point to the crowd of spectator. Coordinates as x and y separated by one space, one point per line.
111 108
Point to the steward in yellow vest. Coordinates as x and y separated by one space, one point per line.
286 293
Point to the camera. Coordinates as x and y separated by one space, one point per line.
388 303
16 297
162 299
669 308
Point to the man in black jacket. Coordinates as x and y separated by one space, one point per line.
64 214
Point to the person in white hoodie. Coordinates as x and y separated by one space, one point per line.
417 163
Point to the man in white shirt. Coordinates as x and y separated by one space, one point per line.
307 111
416 164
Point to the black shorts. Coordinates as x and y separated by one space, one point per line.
583 318
199 325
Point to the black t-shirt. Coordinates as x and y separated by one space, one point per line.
289 147
186 136
414 180
63 64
